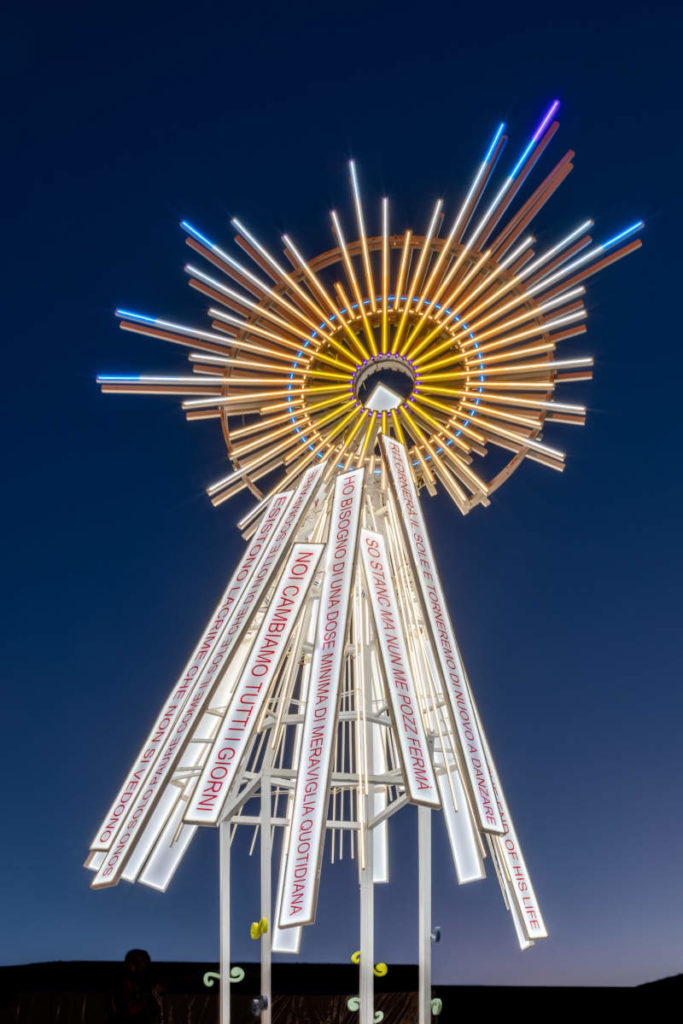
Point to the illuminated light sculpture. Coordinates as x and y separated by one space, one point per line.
328 690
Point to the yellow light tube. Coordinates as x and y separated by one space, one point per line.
340 426
461 308
324 403
570 313
338 411
532 403
534 423
487 281
346 303
258 308
361 235
241 449
535 368
520 439
475 325
402 268
436 425
247 397
514 353
398 429
464 281
452 485
236 474
282 484
473 481
320 389
291 283
417 276
276 406
513 385
324 294
270 453
354 283
345 445
510 339
251 328
258 426
385 275
242 364
455 416
233 266
366 440
257 349
246 382
416 433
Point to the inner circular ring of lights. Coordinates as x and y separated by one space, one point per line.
471 361
383 361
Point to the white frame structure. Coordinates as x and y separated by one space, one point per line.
327 690
390 736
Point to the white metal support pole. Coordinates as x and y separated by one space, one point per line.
266 876
224 899
367 935
424 852
367 874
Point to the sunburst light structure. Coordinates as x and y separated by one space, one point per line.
328 690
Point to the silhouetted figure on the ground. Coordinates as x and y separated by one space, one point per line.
138 996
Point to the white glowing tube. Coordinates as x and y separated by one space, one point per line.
512 176
361 233
132 786
192 332
409 729
555 249
311 797
203 683
212 380
427 577
268 650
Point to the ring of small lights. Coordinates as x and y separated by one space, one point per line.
369 368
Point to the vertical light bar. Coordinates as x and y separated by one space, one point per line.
325 296
238 725
284 276
169 851
204 685
385 275
311 797
466 213
513 174
353 281
511 856
175 701
439 623
409 729
288 940
424 253
362 236
457 224
462 835
402 269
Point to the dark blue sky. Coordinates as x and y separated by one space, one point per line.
119 121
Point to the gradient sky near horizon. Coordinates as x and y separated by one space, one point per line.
566 593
